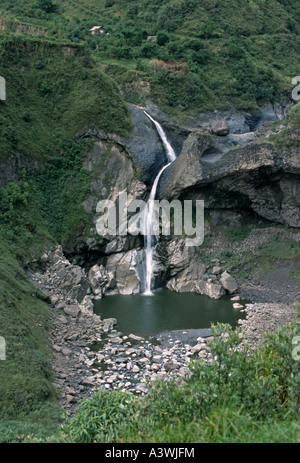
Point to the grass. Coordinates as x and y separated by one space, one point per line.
27 396
52 94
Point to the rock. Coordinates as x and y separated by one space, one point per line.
89 381
135 369
222 181
228 283
60 305
141 387
144 145
54 300
56 348
219 128
214 291
236 298
70 398
238 306
108 324
66 351
72 310
97 279
170 366
135 337
195 349
216 270
154 367
126 276
45 258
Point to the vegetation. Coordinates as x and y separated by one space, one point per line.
243 396
53 91
186 56
27 396
203 54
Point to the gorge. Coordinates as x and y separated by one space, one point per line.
168 101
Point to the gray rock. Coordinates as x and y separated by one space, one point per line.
72 310
219 128
216 270
66 351
108 324
256 172
228 283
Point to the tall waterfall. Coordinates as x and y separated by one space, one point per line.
150 241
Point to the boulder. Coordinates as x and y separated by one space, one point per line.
72 310
219 128
228 283
108 324
214 290
97 279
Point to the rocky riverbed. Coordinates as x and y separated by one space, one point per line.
88 353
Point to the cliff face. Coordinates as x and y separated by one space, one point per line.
257 176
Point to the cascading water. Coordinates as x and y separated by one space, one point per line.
150 240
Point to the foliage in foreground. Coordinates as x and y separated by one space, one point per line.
243 396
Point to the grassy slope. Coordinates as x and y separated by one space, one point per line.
27 397
51 94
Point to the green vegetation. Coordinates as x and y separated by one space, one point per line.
243 396
53 91
27 397
203 54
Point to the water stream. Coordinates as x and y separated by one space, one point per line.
150 239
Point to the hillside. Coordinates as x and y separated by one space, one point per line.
199 55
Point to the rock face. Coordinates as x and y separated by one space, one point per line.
185 271
255 176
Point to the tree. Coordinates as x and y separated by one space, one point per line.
162 38
46 5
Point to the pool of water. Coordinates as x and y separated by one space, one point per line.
165 311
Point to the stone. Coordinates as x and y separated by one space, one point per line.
213 290
236 305
88 381
45 258
54 300
56 348
141 387
228 283
72 310
135 369
97 279
108 324
60 305
219 128
154 367
66 351
70 398
135 337
216 270
232 177
170 366
195 349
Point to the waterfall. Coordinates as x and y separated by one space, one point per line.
149 239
